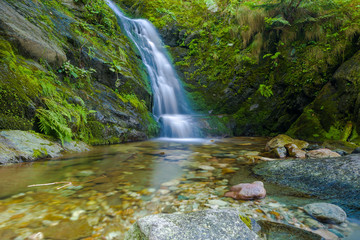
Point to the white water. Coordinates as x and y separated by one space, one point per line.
171 107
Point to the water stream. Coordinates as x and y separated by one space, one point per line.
113 186
170 106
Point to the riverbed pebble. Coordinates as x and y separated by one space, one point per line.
247 191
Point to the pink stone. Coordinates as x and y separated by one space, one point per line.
247 191
322 153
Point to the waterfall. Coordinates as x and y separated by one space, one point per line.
170 106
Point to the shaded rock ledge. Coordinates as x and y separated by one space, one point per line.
21 146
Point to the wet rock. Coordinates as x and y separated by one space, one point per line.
247 191
322 153
312 147
222 224
337 233
278 231
294 151
279 152
356 151
282 140
326 212
328 178
76 146
31 39
341 152
325 234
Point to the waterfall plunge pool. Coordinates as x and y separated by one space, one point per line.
112 186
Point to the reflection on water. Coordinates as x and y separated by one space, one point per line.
112 186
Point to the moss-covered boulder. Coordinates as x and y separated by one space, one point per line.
334 114
282 140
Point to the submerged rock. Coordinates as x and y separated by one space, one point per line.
326 212
279 231
222 224
322 153
247 191
282 140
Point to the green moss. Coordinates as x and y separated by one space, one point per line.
40 153
246 220
97 131
15 122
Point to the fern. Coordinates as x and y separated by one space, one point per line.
53 123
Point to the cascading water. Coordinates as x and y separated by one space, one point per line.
171 107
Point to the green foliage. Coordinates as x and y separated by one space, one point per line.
246 220
55 124
99 14
265 91
79 75
63 120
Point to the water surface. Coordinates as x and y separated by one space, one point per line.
102 192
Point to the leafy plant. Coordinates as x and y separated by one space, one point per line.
55 124
76 73
265 91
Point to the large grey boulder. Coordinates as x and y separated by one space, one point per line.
224 224
326 212
329 178
30 38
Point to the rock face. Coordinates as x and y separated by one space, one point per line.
222 224
282 140
18 146
334 114
325 212
247 191
29 37
98 105
328 178
322 153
